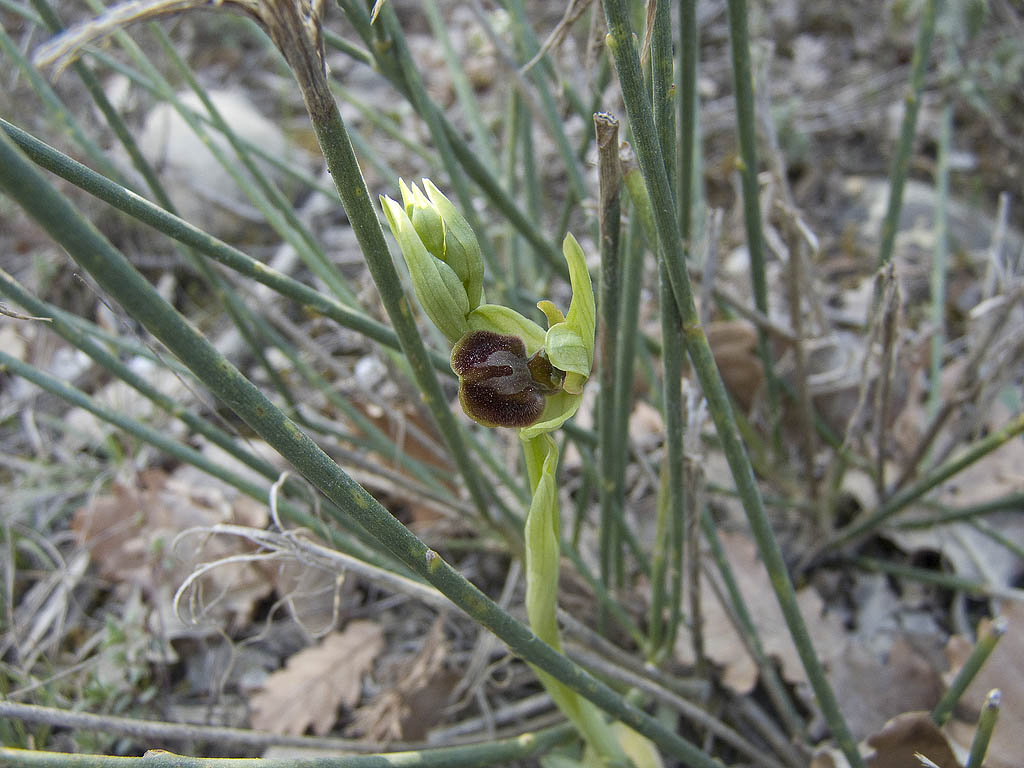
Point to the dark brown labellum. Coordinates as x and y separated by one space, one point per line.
498 385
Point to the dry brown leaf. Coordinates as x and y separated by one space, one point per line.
724 646
868 697
408 709
734 346
1003 670
316 681
130 533
905 737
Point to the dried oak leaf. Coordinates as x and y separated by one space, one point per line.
316 681
1004 670
723 645
130 534
905 737
407 709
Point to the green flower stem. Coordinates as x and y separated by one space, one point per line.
648 151
912 493
543 562
986 724
982 650
912 104
497 752
20 180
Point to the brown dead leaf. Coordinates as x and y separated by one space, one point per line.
869 698
905 737
130 534
734 346
724 646
1003 670
407 709
316 681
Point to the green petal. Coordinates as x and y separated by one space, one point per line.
570 345
426 220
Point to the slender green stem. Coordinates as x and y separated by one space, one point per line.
499 751
609 216
746 128
1014 501
21 181
648 150
986 725
529 45
979 655
670 540
938 578
911 105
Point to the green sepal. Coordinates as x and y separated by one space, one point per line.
461 248
501 319
425 218
438 288
559 409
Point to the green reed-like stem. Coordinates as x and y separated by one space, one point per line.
979 655
20 180
911 106
648 149
986 725
499 751
671 335
746 129
610 290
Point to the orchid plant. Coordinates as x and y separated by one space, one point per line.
513 373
